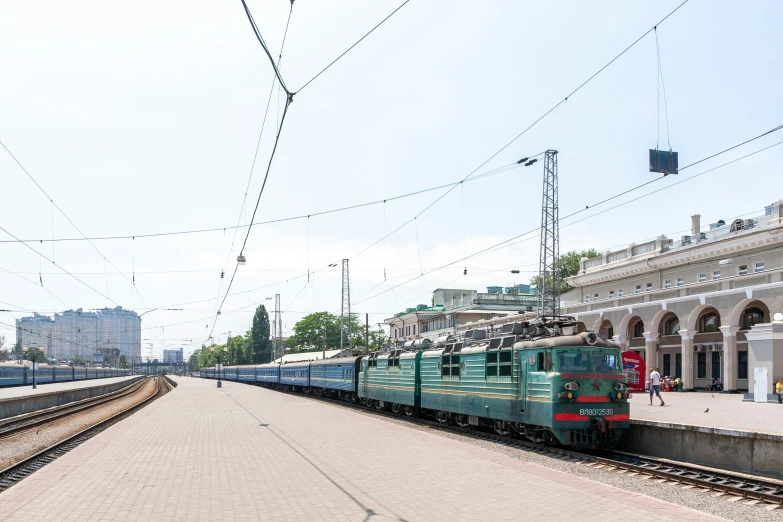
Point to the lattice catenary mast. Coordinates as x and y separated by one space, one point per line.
345 310
549 257
278 330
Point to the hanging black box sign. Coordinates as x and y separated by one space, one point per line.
663 161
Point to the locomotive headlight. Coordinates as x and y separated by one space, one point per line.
620 386
571 386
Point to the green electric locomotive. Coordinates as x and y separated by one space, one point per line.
545 387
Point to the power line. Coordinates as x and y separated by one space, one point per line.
260 135
505 242
105 259
263 45
504 147
351 47
60 267
489 173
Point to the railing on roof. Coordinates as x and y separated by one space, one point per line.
643 248
596 261
616 256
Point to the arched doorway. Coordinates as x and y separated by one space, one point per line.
705 322
667 325
606 330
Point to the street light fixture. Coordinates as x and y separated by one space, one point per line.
34 354
219 354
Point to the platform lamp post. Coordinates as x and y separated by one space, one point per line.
34 354
219 354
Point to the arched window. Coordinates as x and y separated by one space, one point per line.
638 329
672 326
751 316
709 322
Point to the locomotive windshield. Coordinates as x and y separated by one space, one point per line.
588 361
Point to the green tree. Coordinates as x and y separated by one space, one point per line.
240 349
259 337
123 361
78 361
193 360
569 265
309 332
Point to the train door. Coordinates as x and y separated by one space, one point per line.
523 371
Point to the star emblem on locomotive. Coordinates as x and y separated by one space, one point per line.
596 386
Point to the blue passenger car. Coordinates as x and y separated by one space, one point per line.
246 373
43 374
340 374
295 374
268 373
12 375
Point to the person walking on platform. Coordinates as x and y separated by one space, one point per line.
779 390
655 386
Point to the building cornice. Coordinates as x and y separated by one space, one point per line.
663 303
699 252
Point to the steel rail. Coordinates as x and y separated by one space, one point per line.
22 469
17 423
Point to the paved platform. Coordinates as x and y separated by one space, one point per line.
726 412
246 453
24 391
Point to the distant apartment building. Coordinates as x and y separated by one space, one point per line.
76 333
173 356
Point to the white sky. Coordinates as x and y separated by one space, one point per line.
143 117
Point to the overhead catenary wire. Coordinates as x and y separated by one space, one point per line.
105 259
552 109
260 39
351 47
489 173
505 242
58 266
258 201
260 135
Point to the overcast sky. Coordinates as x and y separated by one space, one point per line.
143 117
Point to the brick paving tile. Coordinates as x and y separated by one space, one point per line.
246 453
727 411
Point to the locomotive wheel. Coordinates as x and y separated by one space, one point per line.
378 405
462 421
408 411
501 428
395 408
442 417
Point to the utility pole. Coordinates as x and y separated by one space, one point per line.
367 333
278 329
345 310
549 256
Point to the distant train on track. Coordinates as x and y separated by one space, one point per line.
547 388
18 375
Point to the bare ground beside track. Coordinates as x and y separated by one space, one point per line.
29 442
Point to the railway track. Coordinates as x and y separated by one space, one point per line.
13 425
25 467
760 489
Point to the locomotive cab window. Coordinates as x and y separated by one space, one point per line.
450 365
581 360
499 363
